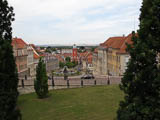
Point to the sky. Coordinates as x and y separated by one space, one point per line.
69 22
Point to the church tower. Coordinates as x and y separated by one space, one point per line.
74 53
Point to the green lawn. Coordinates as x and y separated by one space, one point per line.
88 103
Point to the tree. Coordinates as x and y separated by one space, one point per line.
61 64
41 82
75 63
8 71
141 81
69 64
68 59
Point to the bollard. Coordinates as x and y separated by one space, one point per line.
95 82
25 77
67 83
22 83
108 82
53 81
81 83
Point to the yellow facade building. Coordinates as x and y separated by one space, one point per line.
112 56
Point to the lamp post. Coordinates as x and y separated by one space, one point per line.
53 80
108 82
22 83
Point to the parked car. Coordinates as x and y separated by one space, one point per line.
90 76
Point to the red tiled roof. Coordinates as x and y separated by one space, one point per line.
19 43
59 57
33 45
118 43
67 55
36 56
83 54
114 42
128 40
89 58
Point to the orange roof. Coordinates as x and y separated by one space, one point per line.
128 40
19 43
67 55
118 43
33 45
83 54
114 42
89 58
59 57
36 56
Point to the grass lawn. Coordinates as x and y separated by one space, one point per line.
88 103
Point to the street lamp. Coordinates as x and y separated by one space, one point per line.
52 80
108 82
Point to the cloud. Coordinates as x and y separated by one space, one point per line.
73 21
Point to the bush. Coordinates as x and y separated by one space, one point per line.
41 82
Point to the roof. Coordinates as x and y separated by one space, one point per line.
89 58
67 55
114 42
128 40
36 56
83 54
118 43
33 45
19 43
59 57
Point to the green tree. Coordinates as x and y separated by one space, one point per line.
68 59
141 81
69 64
53 49
61 64
41 82
8 71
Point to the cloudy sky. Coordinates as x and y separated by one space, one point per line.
74 21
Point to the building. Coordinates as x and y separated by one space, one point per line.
113 60
124 55
30 61
74 53
89 64
112 57
52 63
63 51
86 60
102 60
20 54
36 58
94 61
